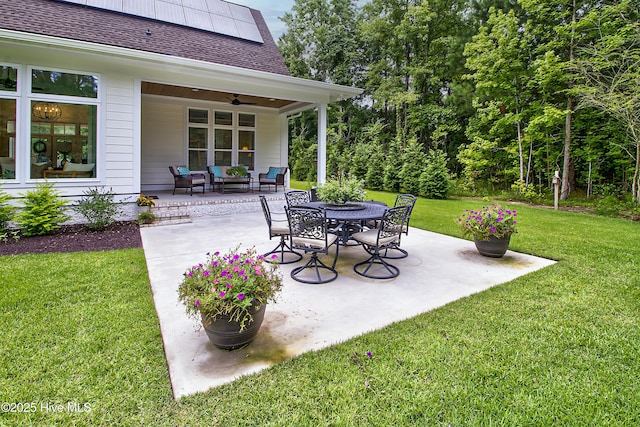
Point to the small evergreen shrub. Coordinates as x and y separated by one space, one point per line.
98 208
6 211
43 211
435 181
413 164
374 178
392 166
360 159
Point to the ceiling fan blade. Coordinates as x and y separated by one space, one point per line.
236 101
8 83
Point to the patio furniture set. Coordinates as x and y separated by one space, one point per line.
224 176
314 227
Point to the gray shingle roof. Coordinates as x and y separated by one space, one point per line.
78 22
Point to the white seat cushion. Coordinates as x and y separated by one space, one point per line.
314 243
279 228
370 238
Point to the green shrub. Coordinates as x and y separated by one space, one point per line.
342 189
146 217
528 193
43 211
608 206
374 178
98 208
413 163
304 166
360 159
392 167
6 211
435 181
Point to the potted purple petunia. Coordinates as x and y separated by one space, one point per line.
491 228
228 293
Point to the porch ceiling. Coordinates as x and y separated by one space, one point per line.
212 95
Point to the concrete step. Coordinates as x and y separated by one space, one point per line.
171 214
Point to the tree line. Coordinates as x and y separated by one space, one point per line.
492 94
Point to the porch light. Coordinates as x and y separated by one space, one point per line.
47 111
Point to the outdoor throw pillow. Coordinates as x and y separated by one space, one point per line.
273 172
216 171
183 170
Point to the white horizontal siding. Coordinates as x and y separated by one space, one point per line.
120 136
163 143
268 142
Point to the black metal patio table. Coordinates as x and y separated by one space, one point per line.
350 216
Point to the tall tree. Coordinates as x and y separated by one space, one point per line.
610 68
499 60
552 24
321 42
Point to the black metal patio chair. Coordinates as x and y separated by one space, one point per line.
308 232
396 252
297 197
376 240
279 228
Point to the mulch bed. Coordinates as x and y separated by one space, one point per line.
76 238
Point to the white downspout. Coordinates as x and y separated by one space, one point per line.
322 143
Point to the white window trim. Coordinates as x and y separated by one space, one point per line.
198 126
28 95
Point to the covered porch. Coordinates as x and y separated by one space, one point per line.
202 123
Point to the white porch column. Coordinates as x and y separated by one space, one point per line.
322 143
284 146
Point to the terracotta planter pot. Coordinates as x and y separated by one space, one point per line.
227 335
494 247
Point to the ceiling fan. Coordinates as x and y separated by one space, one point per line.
8 82
236 101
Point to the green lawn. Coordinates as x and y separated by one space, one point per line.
556 347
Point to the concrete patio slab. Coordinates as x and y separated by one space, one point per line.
439 269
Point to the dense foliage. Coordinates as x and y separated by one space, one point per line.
6 211
511 91
42 212
341 189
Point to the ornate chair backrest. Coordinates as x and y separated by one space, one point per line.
406 200
392 224
297 197
308 228
266 211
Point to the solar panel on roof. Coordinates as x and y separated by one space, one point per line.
195 4
139 8
210 15
197 19
219 7
170 12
